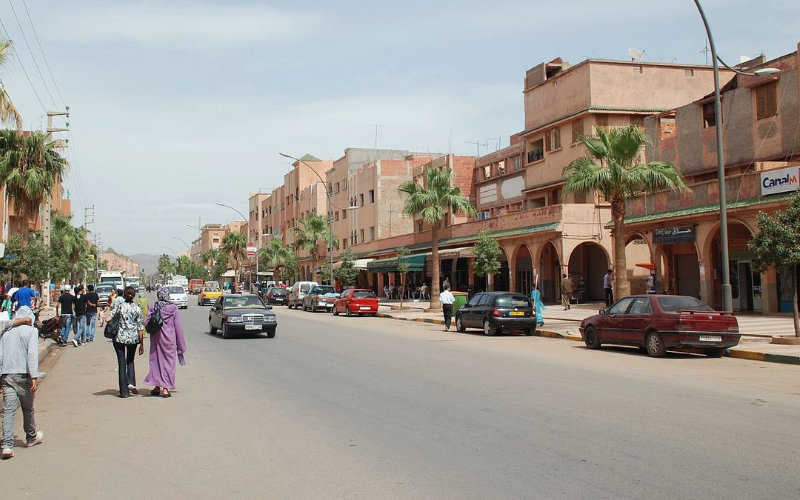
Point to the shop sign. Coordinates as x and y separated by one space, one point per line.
667 235
783 180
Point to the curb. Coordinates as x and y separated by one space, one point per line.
732 353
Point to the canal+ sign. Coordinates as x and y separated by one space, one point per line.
782 180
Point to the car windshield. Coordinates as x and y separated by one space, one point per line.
364 294
322 290
678 303
244 301
103 289
175 289
304 288
211 288
512 301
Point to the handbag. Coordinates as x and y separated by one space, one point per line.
155 321
112 327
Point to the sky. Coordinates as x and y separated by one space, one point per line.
178 105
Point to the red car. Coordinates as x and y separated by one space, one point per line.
356 301
660 322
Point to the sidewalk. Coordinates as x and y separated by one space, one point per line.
756 329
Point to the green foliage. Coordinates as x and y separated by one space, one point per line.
69 249
309 232
291 267
166 268
274 256
184 266
347 273
234 247
487 254
26 258
776 242
402 263
438 197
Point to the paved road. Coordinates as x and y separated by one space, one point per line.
337 407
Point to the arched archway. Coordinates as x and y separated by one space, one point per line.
587 265
638 251
502 281
548 273
523 264
745 281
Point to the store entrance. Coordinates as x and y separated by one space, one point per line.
745 286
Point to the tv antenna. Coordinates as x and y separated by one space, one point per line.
636 54
478 144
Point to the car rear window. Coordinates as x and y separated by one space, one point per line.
243 301
677 303
103 289
364 294
175 289
278 291
305 288
322 290
512 301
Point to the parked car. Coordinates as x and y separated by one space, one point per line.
317 296
297 292
195 284
208 295
178 296
103 293
356 301
657 323
496 312
241 313
276 295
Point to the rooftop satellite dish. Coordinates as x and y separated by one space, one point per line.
744 59
636 54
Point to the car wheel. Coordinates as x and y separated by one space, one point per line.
226 334
590 338
335 312
655 346
528 332
348 312
488 329
271 334
460 325
714 352
211 329
313 308
374 315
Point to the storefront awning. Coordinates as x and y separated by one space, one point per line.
415 262
358 263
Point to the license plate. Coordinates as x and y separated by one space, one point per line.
252 327
365 308
710 338
516 313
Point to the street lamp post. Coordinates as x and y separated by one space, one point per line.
248 238
330 212
727 292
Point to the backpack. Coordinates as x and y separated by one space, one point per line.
155 321
112 327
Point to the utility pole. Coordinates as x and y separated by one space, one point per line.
88 223
47 205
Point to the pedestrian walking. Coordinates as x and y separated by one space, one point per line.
165 345
143 303
107 307
536 300
447 299
91 312
79 322
25 296
446 282
566 292
65 310
19 375
129 335
423 292
607 286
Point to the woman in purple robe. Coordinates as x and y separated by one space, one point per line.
165 344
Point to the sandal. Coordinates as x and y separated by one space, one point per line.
165 393
156 391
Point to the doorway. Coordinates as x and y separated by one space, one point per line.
745 286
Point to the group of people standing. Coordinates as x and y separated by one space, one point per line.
78 313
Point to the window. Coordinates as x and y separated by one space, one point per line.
621 306
474 301
371 233
344 184
336 188
688 72
372 196
555 197
535 150
336 215
709 117
554 139
767 100
361 233
640 306
516 163
487 171
638 70
344 214
361 199
419 226
577 130
344 243
484 214
501 168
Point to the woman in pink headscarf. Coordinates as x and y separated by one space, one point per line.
165 345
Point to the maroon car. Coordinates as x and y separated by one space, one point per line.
355 301
660 322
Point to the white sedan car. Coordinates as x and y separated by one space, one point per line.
178 296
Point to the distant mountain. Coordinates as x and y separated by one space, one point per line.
147 263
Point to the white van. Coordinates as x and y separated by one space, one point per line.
297 292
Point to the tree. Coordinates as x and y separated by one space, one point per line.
8 112
165 267
402 268
29 167
776 244
487 256
611 167
310 230
273 257
69 249
347 273
29 258
433 202
234 246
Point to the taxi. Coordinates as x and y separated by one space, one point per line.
208 295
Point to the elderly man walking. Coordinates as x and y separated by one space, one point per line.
19 372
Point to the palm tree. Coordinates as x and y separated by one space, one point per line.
8 112
234 246
433 202
274 256
210 256
29 167
611 167
310 230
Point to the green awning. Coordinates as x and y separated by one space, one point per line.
415 262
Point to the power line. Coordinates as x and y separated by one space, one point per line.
46 64
30 50
25 72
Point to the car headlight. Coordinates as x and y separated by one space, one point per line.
270 319
234 319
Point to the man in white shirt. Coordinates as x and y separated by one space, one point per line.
608 287
447 299
19 372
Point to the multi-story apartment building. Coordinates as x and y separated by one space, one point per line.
210 238
116 262
18 223
255 224
762 166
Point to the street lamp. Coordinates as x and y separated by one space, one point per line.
188 247
727 292
330 211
